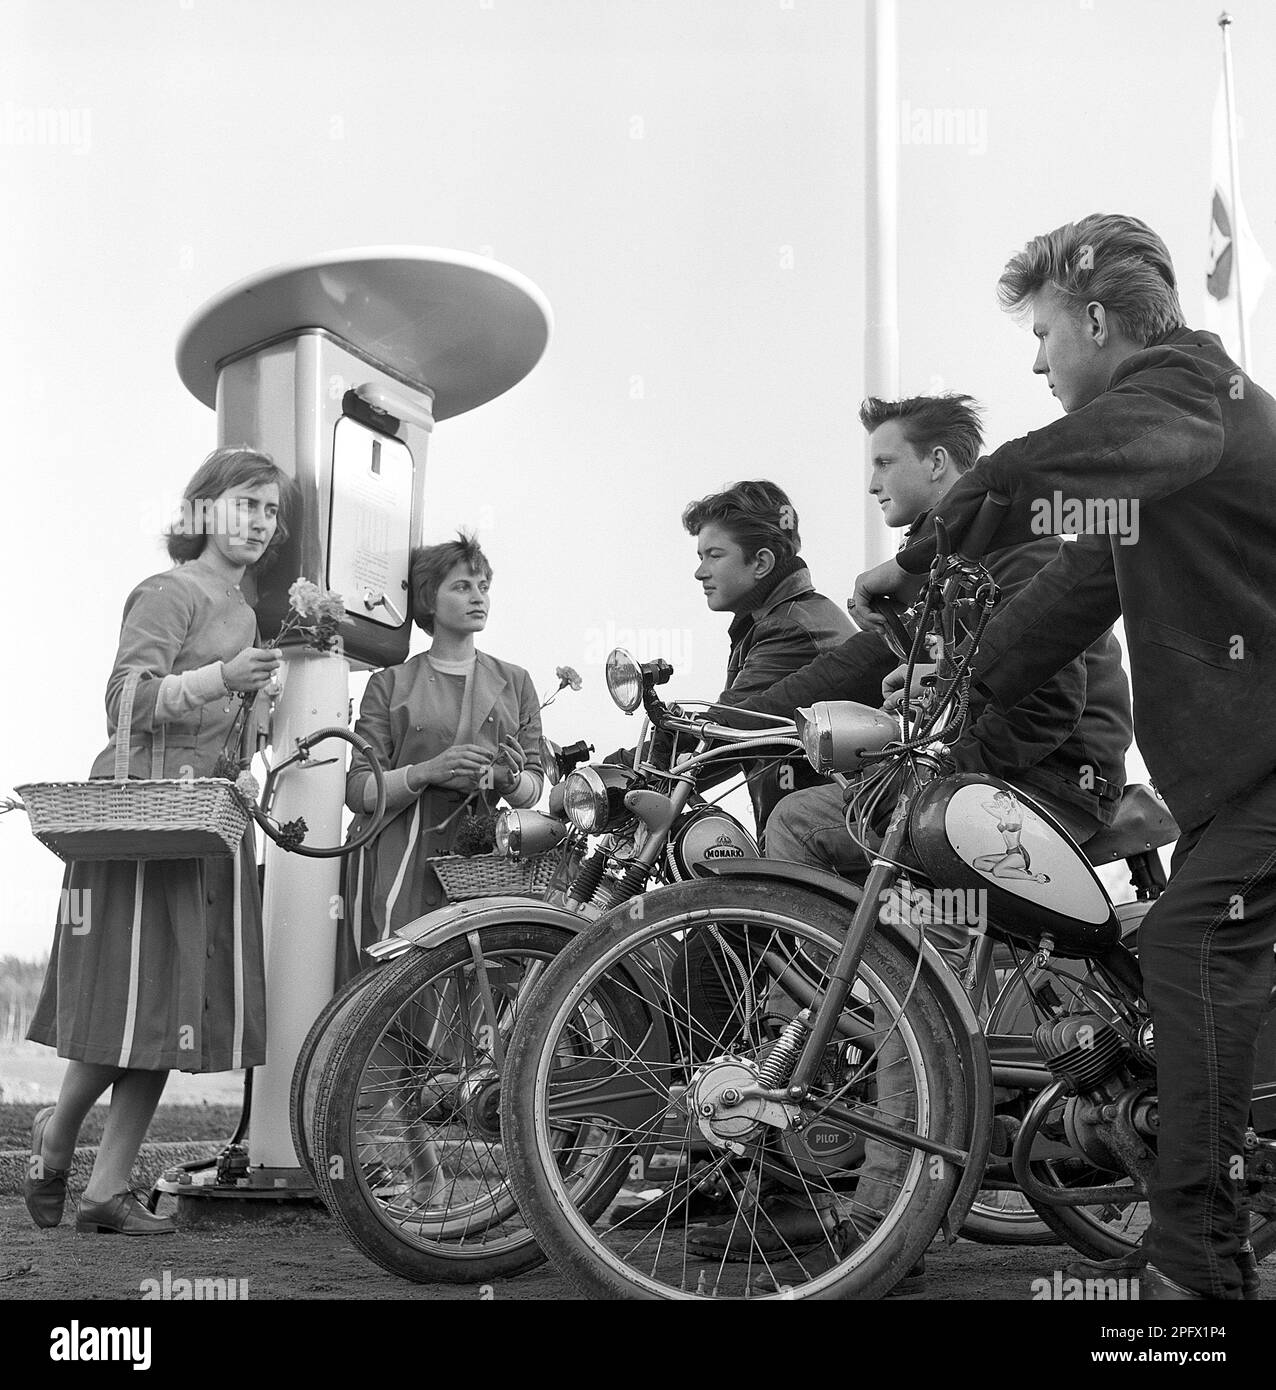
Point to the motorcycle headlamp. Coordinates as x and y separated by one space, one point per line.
836 733
524 834
624 680
549 761
585 800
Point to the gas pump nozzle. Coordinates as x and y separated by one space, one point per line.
370 602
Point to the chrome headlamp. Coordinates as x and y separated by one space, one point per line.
549 761
523 834
836 733
585 800
594 797
624 680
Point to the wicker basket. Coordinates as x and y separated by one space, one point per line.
162 818
493 875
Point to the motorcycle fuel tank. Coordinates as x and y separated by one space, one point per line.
1018 871
706 835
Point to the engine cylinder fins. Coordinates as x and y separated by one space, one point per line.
1083 1049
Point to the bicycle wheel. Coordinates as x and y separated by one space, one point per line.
649 1032
406 1113
312 1060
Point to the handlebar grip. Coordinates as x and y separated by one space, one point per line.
892 611
982 529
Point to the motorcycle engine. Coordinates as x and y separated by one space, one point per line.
1111 1115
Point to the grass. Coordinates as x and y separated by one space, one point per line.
172 1123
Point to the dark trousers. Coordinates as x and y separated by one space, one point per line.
1205 948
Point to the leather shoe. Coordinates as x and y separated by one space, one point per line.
45 1195
1132 1262
781 1225
121 1215
1155 1287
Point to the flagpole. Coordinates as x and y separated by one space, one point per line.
1233 163
881 251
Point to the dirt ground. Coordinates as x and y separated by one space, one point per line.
305 1256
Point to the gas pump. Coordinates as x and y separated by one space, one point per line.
338 367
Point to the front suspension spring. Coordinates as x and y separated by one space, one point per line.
634 881
782 1058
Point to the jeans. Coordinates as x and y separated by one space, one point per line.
1205 948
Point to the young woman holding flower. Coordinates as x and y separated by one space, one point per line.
457 731
165 969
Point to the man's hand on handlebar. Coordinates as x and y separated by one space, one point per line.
886 578
893 684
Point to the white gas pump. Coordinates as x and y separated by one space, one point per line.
338 366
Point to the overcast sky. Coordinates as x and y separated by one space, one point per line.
685 181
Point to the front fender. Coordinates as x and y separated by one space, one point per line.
458 919
968 1036
475 916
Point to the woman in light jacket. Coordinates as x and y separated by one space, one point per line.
458 731
161 966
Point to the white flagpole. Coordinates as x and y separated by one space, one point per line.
1233 163
881 319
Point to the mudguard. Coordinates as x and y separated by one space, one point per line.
968 1036
480 914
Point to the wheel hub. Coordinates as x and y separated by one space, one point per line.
724 1111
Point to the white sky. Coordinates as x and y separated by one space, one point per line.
683 178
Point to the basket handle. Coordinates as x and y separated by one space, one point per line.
124 726
124 730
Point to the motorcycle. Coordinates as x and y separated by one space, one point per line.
838 1064
396 1092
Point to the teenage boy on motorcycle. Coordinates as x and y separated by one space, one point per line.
748 545
1162 426
1064 744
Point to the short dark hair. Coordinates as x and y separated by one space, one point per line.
757 515
431 565
1115 260
222 470
932 422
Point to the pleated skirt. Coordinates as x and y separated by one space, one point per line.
158 965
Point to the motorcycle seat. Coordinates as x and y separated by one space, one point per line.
1143 822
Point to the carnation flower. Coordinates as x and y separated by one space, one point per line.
567 676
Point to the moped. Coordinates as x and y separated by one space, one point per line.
805 1029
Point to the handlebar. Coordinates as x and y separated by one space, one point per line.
283 836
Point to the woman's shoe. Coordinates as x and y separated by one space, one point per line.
45 1195
121 1215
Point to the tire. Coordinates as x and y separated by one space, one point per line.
408 1101
614 1041
312 1060
1000 1216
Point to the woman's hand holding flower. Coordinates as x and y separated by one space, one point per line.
253 668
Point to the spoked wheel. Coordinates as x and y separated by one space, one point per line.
1002 1216
405 1130
312 1063
650 1032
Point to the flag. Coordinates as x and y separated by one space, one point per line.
1229 232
